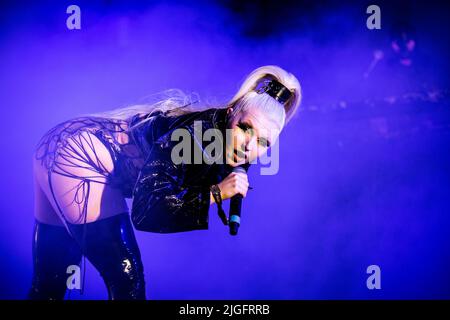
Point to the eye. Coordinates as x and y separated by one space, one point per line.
243 126
263 142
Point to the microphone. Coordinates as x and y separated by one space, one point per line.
234 220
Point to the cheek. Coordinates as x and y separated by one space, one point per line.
260 151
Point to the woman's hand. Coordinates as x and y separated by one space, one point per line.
234 183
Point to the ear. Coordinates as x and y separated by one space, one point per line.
229 110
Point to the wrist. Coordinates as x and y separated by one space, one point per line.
215 194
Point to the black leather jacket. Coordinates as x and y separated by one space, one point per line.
171 198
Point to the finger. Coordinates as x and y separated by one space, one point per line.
244 183
243 190
241 174
243 177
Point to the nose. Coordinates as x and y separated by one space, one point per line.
249 144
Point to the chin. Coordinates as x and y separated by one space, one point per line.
233 163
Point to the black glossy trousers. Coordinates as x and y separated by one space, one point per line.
109 244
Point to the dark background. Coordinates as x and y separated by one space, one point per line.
363 167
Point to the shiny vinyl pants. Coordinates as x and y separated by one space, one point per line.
109 244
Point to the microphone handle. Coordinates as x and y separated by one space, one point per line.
235 213
234 220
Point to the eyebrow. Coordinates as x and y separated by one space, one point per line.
250 125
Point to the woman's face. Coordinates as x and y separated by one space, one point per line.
252 134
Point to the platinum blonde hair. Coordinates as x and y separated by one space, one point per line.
247 98
175 102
